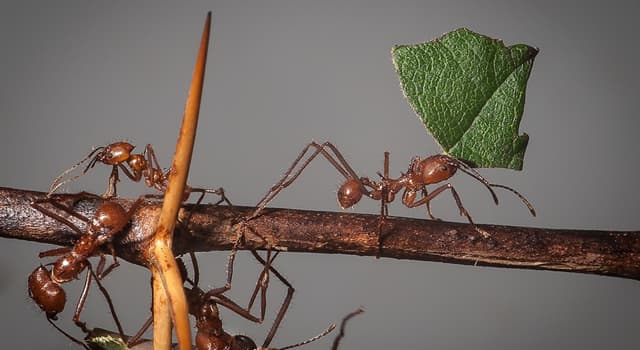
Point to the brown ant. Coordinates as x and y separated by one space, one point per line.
421 173
45 286
135 166
204 307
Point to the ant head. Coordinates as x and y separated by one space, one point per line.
244 343
435 169
455 164
110 216
115 153
349 193
49 296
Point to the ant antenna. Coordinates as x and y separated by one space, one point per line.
325 332
465 168
522 198
57 183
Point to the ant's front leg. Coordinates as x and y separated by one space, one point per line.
409 197
425 193
112 183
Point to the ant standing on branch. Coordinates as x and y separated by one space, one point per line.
421 173
134 165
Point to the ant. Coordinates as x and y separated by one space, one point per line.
135 166
204 307
421 173
45 286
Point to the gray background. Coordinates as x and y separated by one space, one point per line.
78 74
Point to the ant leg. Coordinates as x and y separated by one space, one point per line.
101 272
83 298
436 192
219 298
38 205
203 192
230 262
136 339
152 160
114 178
285 304
428 205
384 210
54 252
69 336
154 176
81 301
262 284
107 298
384 206
289 176
196 269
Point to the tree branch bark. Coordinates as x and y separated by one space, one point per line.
213 228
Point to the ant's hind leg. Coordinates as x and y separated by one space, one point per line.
436 192
286 302
297 167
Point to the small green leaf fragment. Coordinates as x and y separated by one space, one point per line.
469 91
106 340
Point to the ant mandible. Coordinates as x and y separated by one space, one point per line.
421 173
135 166
44 285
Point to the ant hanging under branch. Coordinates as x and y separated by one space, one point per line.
413 183
45 286
204 307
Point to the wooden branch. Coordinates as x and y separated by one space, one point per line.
212 228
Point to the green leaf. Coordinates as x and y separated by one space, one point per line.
468 90
106 340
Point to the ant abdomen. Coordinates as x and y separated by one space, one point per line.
49 296
349 193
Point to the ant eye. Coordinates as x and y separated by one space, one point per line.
444 168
